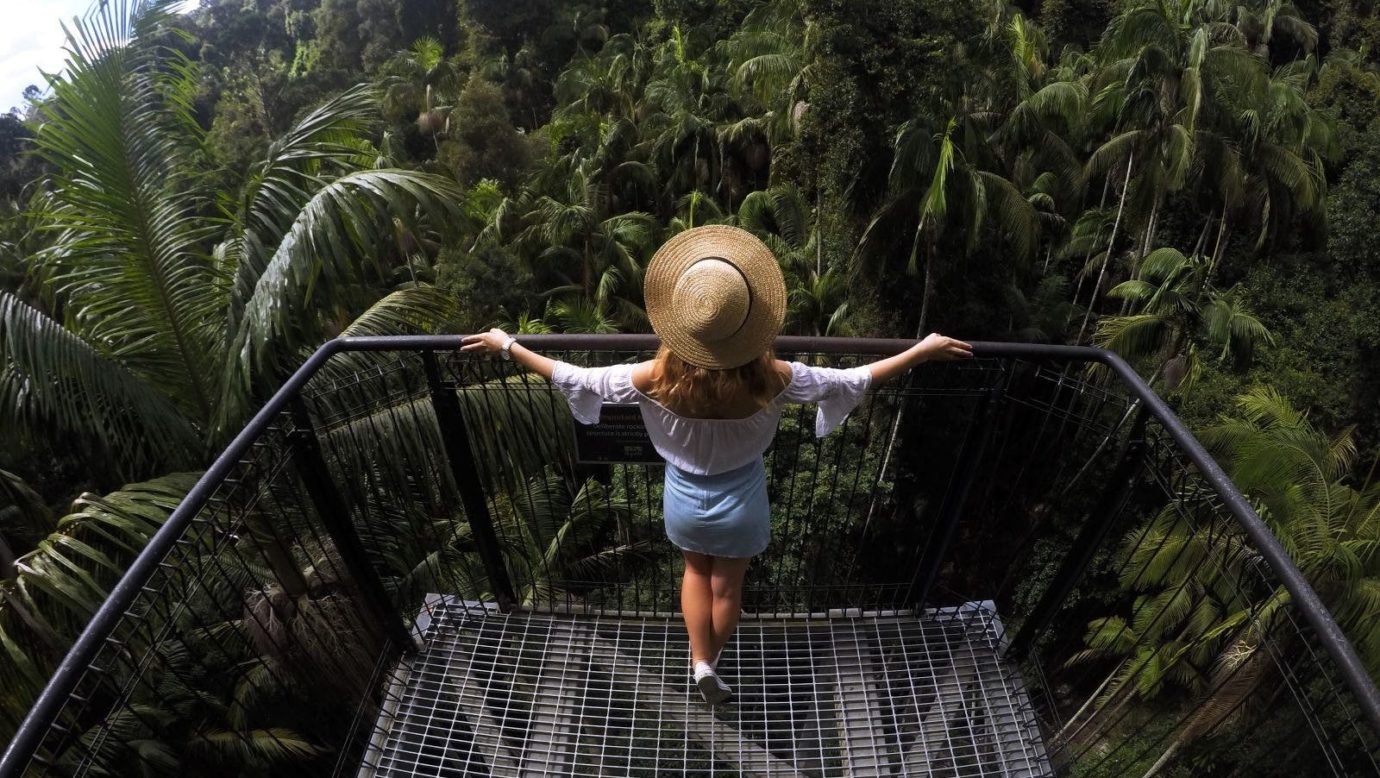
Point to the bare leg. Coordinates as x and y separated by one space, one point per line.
696 605
727 586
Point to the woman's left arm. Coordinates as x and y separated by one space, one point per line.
494 339
935 347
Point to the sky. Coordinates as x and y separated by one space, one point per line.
31 38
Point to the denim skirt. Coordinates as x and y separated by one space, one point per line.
725 514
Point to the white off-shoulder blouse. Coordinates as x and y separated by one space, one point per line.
712 446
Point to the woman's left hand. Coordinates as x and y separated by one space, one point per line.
492 340
941 348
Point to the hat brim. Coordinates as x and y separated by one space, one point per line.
766 311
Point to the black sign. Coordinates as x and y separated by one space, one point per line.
620 437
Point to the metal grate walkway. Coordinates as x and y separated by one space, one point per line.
539 694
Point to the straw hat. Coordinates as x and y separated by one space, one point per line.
716 296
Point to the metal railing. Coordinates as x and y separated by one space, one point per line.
1154 617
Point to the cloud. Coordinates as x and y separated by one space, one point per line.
31 38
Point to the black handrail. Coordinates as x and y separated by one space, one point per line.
84 650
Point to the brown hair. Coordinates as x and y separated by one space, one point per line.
698 391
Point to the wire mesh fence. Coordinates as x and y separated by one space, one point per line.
1147 629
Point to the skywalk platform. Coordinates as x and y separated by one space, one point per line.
837 694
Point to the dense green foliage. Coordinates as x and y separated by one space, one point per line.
200 199
975 169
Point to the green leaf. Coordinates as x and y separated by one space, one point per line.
52 378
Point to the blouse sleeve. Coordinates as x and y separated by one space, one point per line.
837 392
586 388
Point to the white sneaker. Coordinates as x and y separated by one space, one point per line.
711 686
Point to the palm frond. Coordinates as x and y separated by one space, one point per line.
1020 223
51 379
60 584
1134 336
126 210
414 310
344 222
778 211
17 499
1163 263
1112 152
298 163
255 748
913 155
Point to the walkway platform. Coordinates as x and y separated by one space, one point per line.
861 694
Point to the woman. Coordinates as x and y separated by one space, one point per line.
711 401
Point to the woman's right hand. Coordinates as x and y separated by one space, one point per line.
492 340
941 348
935 347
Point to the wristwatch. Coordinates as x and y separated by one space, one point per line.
506 351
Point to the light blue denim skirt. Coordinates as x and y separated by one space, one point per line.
725 514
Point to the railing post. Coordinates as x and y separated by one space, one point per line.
330 505
456 439
1090 538
951 509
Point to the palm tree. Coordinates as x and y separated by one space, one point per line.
1194 626
563 536
288 597
1179 313
24 519
687 102
817 297
1260 25
610 83
57 586
936 188
1163 91
421 84
1300 479
1041 137
770 73
16 239
606 252
1186 92
1297 477
171 319
1284 145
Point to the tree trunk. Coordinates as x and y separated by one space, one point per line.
1219 247
1202 236
1149 235
1145 247
1119 700
900 412
1221 702
819 240
402 250
1077 290
728 196
7 558
1061 734
278 553
928 294
1121 206
586 273
694 168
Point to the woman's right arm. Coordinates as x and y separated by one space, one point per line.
494 339
585 388
934 347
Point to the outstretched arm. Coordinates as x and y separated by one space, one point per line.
934 347
494 339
